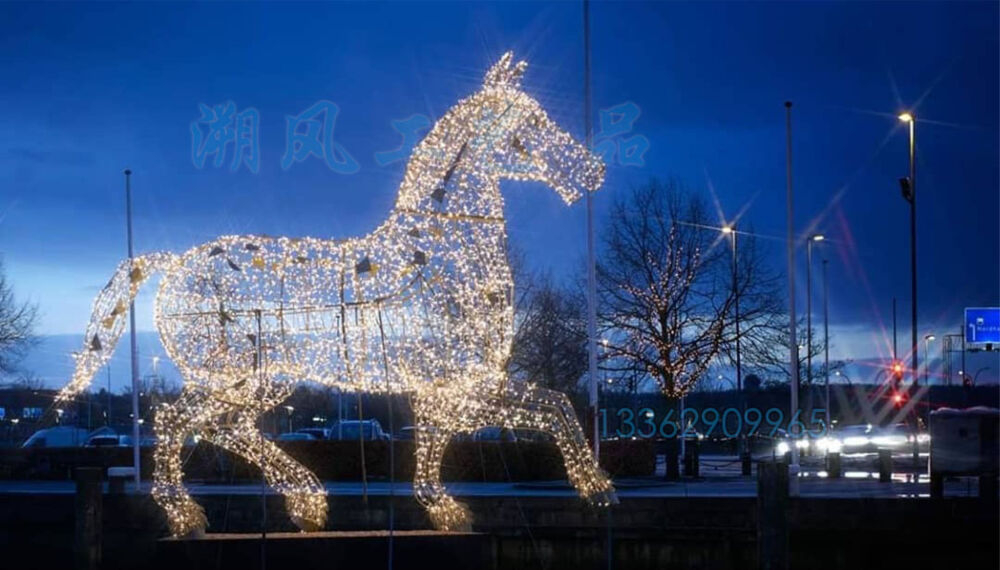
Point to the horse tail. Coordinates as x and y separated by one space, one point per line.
108 317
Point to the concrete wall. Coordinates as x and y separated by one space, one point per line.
36 531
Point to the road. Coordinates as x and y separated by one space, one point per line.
720 477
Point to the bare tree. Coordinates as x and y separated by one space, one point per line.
665 291
767 354
17 322
550 340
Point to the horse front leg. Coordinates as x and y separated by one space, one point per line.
435 428
550 411
174 422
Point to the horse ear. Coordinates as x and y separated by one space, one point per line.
505 73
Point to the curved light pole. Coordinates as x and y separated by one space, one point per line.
975 377
844 376
927 358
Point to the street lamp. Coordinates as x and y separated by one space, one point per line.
730 229
290 409
844 376
927 358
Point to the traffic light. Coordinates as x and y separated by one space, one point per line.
897 375
896 393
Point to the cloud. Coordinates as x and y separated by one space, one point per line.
61 156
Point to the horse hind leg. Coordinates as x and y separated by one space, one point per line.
173 424
550 411
305 496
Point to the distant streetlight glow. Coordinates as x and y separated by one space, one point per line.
905 117
727 229
818 237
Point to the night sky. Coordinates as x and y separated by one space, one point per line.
88 90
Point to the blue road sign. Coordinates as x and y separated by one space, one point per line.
982 324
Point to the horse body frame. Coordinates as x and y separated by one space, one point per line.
422 305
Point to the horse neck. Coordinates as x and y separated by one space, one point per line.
433 168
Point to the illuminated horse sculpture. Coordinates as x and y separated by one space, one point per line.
420 306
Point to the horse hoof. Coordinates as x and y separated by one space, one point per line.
451 516
307 525
189 521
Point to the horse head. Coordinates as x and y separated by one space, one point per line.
517 140
500 132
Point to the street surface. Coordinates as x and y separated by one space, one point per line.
719 477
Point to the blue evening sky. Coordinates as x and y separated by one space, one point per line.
89 89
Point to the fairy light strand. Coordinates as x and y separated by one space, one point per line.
420 306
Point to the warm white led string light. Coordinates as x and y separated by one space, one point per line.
420 306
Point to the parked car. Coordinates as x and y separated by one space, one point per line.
358 429
317 433
108 440
493 433
296 436
60 436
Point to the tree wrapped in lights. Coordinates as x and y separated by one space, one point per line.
422 306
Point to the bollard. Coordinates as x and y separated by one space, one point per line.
692 458
833 468
746 464
117 476
673 472
884 465
988 487
87 533
772 515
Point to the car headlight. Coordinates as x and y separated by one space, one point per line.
783 448
855 441
889 440
802 443
828 444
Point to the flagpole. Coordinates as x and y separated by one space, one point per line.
591 271
793 469
132 343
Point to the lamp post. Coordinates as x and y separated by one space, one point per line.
809 330
908 186
730 230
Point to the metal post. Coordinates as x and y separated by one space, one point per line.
809 314
132 342
108 415
895 354
793 472
739 367
87 511
773 490
591 271
826 343
913 251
